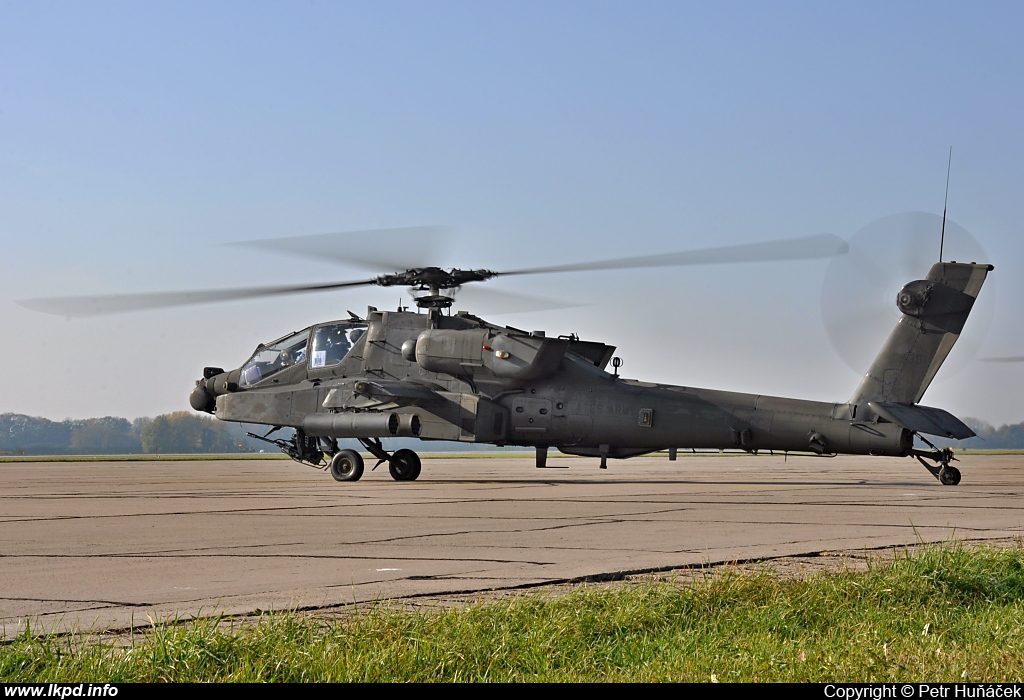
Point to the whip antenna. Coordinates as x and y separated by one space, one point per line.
942 239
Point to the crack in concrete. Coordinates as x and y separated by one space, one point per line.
340 557
93 601
928 502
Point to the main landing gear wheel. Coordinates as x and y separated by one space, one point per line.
347 465
949 476
404 465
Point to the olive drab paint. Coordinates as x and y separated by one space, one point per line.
457 377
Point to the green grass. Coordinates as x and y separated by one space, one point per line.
998 451
944 613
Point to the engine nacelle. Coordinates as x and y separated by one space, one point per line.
459 353
478 351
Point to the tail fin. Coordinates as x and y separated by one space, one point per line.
934 312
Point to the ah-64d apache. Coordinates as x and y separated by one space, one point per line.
432 375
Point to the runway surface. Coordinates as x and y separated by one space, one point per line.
103 545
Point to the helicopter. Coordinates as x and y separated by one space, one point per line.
430 374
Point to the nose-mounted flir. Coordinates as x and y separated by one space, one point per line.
215 382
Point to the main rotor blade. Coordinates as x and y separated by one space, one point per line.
106 304
824 245
330 246
495 301
1018 358
380 250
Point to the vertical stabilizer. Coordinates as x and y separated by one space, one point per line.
934 312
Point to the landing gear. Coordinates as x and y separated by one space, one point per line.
942 470
301 447
347 465
949 476
404 465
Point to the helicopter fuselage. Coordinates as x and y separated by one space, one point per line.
458 378
441 377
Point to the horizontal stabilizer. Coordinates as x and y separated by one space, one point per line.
923 419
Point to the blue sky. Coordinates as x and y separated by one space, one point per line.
136 139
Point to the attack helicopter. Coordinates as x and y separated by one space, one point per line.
430 374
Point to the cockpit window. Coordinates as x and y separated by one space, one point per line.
270 359
331 342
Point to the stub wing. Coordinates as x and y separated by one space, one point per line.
394 389
378 394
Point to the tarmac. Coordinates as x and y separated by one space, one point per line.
94 546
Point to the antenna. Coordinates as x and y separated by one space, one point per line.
942 239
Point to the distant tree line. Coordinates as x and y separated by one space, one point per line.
180 432
1007 437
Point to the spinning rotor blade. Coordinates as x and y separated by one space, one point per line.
355 247
493 301
1019 358
381 250
858 297
824 245
102 305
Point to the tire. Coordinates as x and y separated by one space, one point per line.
347 465
404 465
950 476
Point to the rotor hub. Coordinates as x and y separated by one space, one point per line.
434 280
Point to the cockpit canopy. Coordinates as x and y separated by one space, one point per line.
332 341
320 346
271 359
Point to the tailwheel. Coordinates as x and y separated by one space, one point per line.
404 465
949 476
942 470
347 465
